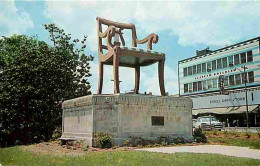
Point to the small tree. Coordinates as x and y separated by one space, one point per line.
34 79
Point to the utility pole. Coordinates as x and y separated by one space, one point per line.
245 80
210 121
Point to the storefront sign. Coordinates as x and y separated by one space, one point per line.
231 100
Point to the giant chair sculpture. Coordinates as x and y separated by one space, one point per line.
120 55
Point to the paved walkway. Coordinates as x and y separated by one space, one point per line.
215 149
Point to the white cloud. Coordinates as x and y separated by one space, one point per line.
209 23
13 20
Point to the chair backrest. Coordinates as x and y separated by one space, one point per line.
119 27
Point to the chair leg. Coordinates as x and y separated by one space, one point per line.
137 79
116 73
100 77
161 76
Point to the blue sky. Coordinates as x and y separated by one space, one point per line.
183 28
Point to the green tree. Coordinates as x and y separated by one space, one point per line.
34 80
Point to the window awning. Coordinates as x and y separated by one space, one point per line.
228 110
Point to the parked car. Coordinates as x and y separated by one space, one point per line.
208 123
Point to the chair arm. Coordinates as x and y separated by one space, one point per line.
110 33
152 38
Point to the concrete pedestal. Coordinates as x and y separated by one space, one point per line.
126 115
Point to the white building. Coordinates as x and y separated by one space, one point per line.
238 64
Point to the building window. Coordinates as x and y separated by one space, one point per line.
251 77
157 120
194 69
190 70
209 84
219 64
199 68
203 67
243 57
185 88
199 85
238 79
185 72
231 80
224 62
208 66
190 87
215 83
195 86
236 59
230 61
204 85
249 56
226 81
214 65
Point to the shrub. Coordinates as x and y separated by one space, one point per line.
135 141
164 143
178 140
163 139
156 145
140 141
103 140
56 133
199 136
247 134
149 146
127 142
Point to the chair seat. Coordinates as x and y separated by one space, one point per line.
140 50
133 56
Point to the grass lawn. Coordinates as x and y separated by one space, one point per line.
15 156
253 144
234 139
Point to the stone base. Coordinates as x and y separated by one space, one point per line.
125 116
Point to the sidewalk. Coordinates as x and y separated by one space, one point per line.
215 149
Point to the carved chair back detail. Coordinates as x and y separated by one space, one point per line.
115 29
